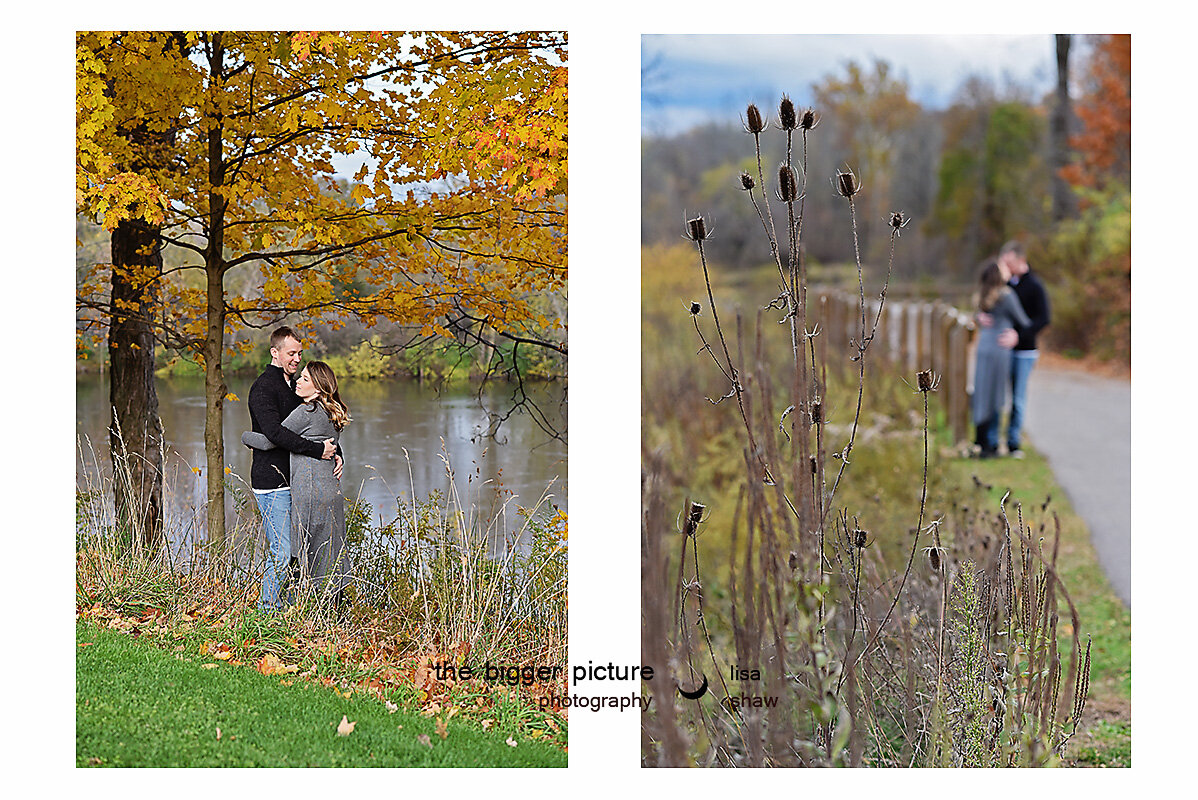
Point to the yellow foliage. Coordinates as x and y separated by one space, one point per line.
478 118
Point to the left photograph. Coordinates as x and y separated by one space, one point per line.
321 398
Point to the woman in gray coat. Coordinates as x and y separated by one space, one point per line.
993 361
317 505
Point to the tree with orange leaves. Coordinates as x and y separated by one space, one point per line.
1103 146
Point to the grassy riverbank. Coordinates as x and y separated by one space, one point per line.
429 591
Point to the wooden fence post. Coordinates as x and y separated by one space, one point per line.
911 337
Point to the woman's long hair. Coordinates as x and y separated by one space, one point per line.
325 381
990 285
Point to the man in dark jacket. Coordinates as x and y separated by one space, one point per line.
1034 300
272 398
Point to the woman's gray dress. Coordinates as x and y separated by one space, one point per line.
992 375
317 505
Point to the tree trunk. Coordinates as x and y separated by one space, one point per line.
214 339
135 430
1064 204
215 391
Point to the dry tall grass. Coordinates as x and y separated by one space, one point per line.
475 574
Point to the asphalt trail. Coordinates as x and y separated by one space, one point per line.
1082 425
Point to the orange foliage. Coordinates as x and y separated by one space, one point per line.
1104 144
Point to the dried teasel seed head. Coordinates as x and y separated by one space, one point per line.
817 411
793 560
847 184
746 181
695 308
788 184
860 538
934 557
925 380
754 123
899 220
696 229
808 119
814 465
788 119
693 517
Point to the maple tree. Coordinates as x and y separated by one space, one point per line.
223 147
1103 145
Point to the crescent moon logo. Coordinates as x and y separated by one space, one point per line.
695 695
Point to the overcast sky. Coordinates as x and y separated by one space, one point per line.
690 79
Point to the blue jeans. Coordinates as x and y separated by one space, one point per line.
1022 362
276 523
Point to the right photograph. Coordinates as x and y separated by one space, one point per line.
886 400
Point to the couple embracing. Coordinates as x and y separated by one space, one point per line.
1012 310
297 417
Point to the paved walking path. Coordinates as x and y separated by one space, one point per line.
1082 425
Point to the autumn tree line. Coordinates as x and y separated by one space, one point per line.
997 163
210 160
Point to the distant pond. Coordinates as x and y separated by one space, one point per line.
396 447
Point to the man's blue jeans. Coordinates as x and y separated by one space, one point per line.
276 523
1022 362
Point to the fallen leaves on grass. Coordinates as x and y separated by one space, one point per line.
270 664
346 727
384 666
424 740
510 742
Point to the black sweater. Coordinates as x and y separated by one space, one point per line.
272 398
1034 300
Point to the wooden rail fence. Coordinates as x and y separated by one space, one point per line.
912 336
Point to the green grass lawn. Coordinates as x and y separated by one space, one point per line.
141 706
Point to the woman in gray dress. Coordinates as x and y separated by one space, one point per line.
317 505
992 372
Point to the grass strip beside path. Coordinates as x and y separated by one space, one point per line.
141 706
1104 738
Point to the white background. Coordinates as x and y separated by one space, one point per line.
38 317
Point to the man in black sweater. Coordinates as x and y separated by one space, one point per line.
272 398
1034 300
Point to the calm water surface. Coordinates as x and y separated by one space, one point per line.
398 445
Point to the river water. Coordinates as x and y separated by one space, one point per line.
397 448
